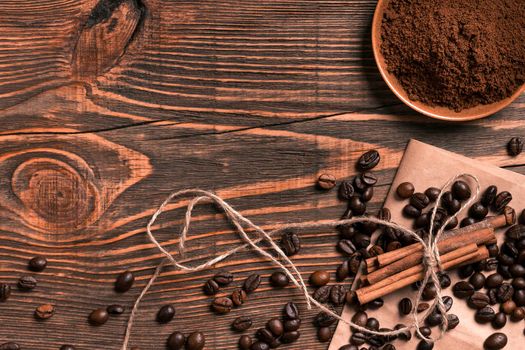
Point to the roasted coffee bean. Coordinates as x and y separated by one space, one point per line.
241 323
422 307
360 318
388 347
493 281
291 311
515 232
405 306
434 319
521 257
491 264
323 319
45 311
265 335
346 231
384 214
324 334
394 245
238 297
346 190
478 211
495 342
165 314
451 204
368 178
508 307
259 345
98 317
5 292
452 223
419 200
292 325
290 243
505 292
478 300
115 309
485 315
338 294
467 222
515 146
359 184
463 289
10 346
432 193
124 282
322 294
275 326
357 206
358 338
290 337
518 314
367 194
195 341
251 283
361 240
27 283
493 296
406 335
411 211
37 264
279 279
343 271
477 280
453 321
489 196
245 342
368 160
510 249
465 271
501 201
461 190
448 302
346 246
176 341
68 347
517 270
320 278
422 221
429 292
372 323
211 287
424 345
519 283
375 304
223 278
499 321
504 271
376 341
326 182
444 280
519 297
405 190
425 331
222 305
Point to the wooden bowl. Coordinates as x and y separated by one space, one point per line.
437 112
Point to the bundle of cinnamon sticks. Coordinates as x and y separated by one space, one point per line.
399 268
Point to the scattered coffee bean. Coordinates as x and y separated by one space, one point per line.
367 196
10 346
508 307
323 319
346 190
45 311
517 283
517 270
444 280
501 201
453 321
368 178
405 306
37 264
324 334
360 318
279 279
419 200
322 294
478 211
372 323
124 282
68 347
195 341
259 345
485 315
432 193
348 347
290 243
405 190
518 314
276 327
411 211
478 300
242 323
519 297
368 160
494 281
290 337
5 292
222 305
223 278
176 341
465 271
461 190
505 292
358 338
375 304
292 325
434 319
245 342
450 203
346 247
211 287
338 294
467 222
27 283
489 196
422 307
429 292
499 321
115 309
343 271
326 182
357 206
98 317
359 185
495 342
238 297
291 312
424 345
515 232
477 280
320 278
252 283
463 290
515 146
448 302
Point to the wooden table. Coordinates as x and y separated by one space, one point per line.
109 105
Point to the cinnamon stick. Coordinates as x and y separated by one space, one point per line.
372 292
480 237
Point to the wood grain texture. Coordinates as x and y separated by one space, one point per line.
107 106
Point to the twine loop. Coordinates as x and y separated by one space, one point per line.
431 258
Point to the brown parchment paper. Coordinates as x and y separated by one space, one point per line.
427 166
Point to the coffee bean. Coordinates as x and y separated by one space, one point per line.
259 345
367 194
405 190
448 302
467 222
389 347
465 271
422 307
375 304
343 271
491 264
518 314
515 146
323 319
463 290
368 178
346 190
10 346
338 294
346 246
517 270
290 243
290 311
517 283
429 292
165 314
406 335
37 264
515 232
320 278
360 318
27 283
505 292
372 323
241 323
478 300
411 211
501 201
292 325
359 185
211 287
361 240
478 211
451 204
358 338
275 326
419 200
519 297
251 283
322 294
424 345
290 337
222 305
195 341
279 279
348 347
493 296
238 297
495 341
434 319
444 280
67 347
264 335
368 160
326 182
493 250
493 281
405 306
45 311
504 271
5 292
453 321
115 309
324 334
98 317
432 193
477 280
499 321
357 206
485 315
124 282
245 342
461 190
508 307
223 278
176 341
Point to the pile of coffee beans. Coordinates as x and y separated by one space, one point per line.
224 304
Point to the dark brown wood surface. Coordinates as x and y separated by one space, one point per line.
107 106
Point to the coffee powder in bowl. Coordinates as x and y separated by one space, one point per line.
452 59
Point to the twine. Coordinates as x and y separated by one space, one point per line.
431 260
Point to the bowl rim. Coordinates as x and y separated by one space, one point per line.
417 105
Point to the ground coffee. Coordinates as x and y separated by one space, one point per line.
456 53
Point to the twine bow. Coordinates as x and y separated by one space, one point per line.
431 260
